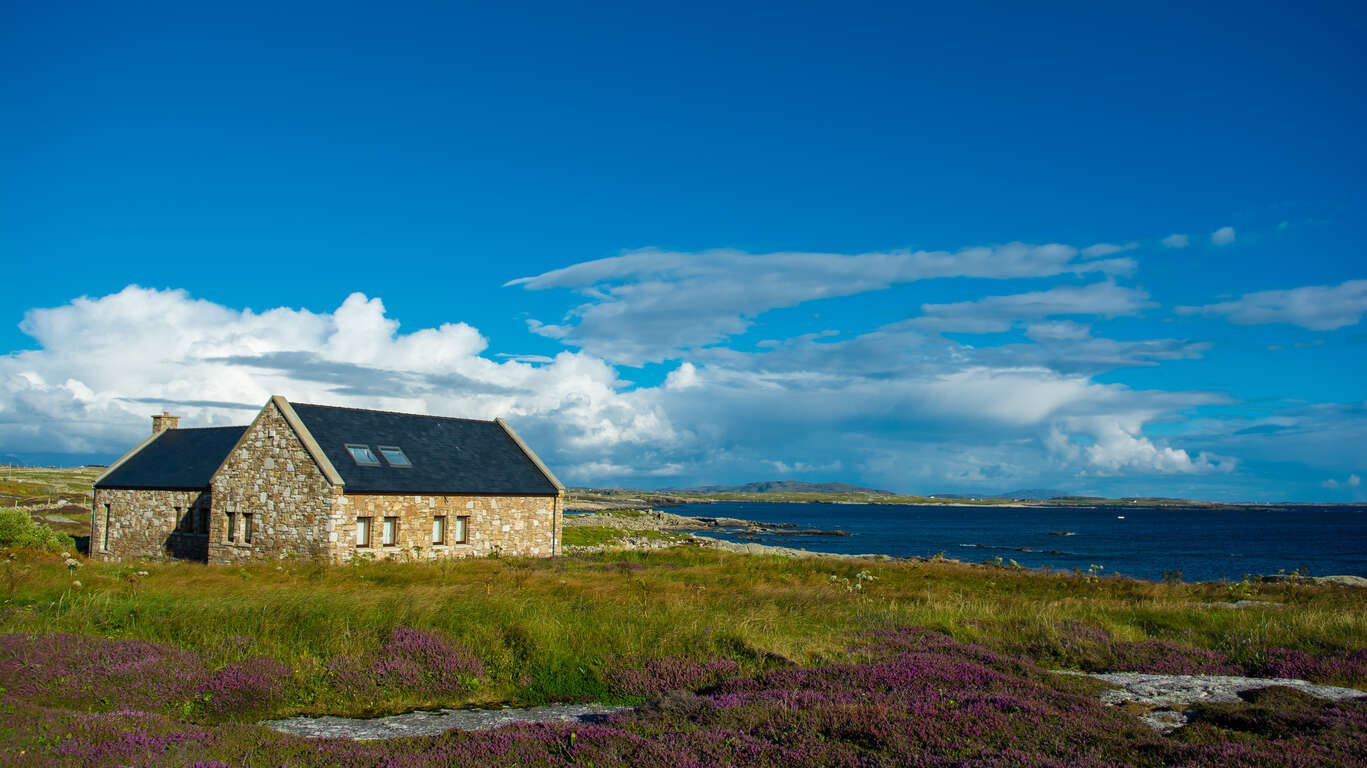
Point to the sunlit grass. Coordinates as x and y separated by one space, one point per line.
546 628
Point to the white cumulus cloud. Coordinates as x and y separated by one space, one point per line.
1316 307
1176 241
1222 236
651 305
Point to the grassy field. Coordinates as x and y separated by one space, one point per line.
740 660
547 629
99 661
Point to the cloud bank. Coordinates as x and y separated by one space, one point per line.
899 406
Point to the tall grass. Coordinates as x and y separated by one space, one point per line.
550 629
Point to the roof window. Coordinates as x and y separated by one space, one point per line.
394 455
362 455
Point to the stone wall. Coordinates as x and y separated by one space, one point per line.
271 477
516 526
150 524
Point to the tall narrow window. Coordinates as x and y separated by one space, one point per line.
105 547
391 531
439 529
232 527
462 530
202 523
362 531
246 528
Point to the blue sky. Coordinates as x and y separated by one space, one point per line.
1095 247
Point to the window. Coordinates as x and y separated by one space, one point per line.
362 531
462 530
106 528
202 522
246 528
439 529
362 455
232 527
394 455
177 522
391 531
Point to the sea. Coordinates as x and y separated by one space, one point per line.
1203 544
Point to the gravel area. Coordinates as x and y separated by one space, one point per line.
430 723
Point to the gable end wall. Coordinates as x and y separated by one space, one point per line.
271 476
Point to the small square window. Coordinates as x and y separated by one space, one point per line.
362 455
362 531
394 455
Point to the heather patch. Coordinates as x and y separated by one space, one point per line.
411 662
641 677
898 697
92 673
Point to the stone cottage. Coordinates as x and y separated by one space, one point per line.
326 482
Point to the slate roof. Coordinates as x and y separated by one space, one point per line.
448 455
179 459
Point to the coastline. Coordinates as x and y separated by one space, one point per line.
639 526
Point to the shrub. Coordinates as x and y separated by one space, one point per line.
20 531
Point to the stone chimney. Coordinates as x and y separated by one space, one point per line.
164 422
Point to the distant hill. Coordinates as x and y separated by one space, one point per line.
781 486
1031 494
1034 494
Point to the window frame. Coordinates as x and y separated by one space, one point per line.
407 463
462 529
439 530
351 451
104 544
369 527
231 537
389 531
247 527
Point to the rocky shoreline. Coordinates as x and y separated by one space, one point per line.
655 521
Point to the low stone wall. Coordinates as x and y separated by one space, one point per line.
145 523
517 526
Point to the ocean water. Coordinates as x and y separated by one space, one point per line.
1204 544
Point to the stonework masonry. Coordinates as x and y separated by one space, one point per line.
270 482
132 524
516 526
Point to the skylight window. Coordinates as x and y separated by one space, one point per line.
363 455
394 455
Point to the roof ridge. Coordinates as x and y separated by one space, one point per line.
394 413
206 429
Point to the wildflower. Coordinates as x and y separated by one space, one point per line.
144 573
76 584
66 555
72 564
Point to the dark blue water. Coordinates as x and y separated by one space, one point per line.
1204 544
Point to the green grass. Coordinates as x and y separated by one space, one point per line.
593 535
546 628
